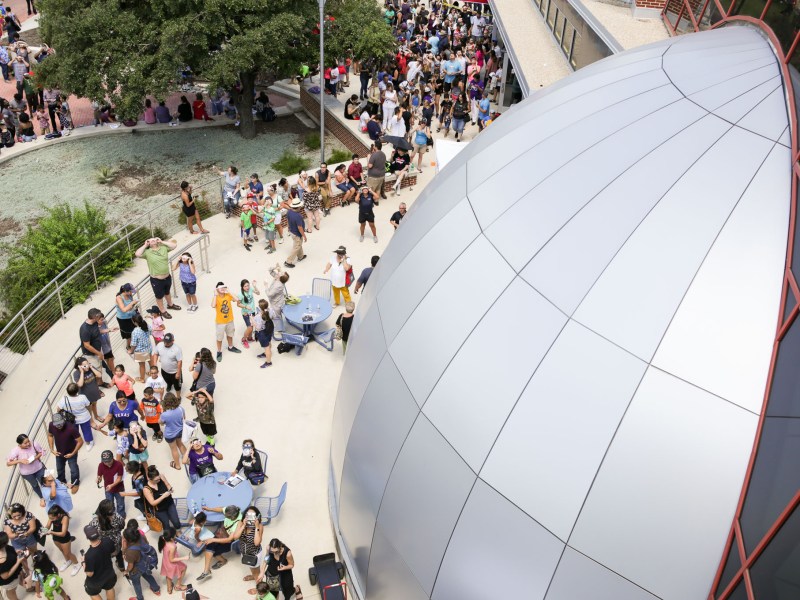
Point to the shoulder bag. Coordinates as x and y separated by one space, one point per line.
68 415
152 520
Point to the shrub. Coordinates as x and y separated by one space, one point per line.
105 174
340 156
61 236
290 163
312 141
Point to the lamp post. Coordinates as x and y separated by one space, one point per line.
321 81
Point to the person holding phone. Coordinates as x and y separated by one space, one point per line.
156 252
187 274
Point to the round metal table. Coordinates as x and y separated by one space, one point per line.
311 311
208 491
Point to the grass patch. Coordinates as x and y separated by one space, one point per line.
312 141
290 163
340 156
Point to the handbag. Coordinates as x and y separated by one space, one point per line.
249 560
188 431
274 583
193 387
152 521
68 415
204 470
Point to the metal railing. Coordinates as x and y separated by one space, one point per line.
16 490
93 270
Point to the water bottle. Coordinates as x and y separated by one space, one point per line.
194 508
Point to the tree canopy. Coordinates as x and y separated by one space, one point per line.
125 50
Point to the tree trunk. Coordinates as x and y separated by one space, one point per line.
247 125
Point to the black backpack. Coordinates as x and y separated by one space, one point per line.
148 557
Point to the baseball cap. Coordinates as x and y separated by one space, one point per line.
169 338
106 456
91 532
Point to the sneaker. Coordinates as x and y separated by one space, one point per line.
236 124
247 247
219 356
204 575
245 343
361 238
75 570
90 445
65 565
302 257
288 265
265 365
280 240
234 349
262 355
375 238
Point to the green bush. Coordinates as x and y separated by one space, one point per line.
340 156
312 141
60 237
290 163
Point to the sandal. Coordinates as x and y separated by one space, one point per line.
298 593
172 464
180 588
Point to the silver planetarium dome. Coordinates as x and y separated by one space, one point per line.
556 371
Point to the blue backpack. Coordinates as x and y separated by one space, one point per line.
148 557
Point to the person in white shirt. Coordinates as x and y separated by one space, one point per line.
338 266
478 23
156 381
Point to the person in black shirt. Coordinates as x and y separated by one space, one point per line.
401 162
345 320
367 272
366 199
184 110
398 216
100 575
91 346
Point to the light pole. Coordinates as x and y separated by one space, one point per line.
321 81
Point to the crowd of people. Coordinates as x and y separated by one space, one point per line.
444 75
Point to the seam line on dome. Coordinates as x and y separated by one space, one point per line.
710 247
610 183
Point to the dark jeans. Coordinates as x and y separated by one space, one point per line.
169 516
74 471
364 84
51 110
119 501
136 581
4 69
34 480
171 380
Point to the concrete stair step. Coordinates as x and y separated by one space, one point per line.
303 118
284 88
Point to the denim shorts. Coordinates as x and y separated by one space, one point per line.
189 288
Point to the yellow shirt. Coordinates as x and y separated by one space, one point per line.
224 308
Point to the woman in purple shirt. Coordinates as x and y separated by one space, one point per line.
200 458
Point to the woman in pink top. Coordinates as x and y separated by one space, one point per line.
149 112
27 455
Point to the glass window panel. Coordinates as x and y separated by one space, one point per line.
711 16
784 396
740 593
775 478
732 566
776 573
790 304
566 42
559 27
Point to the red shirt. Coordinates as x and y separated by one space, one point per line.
108 474
199 109
355 170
